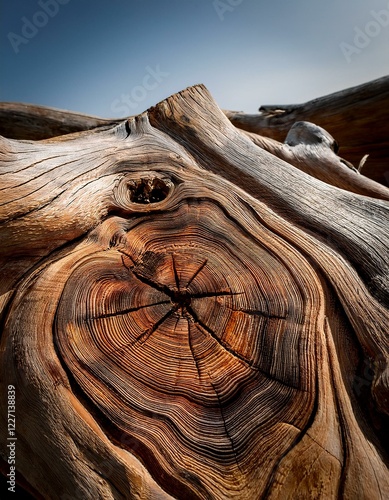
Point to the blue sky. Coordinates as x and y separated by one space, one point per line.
116 58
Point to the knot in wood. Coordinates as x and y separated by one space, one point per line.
148 190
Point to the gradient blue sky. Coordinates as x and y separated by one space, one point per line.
91 54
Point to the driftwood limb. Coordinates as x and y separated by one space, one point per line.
356 117
314 151
185 315
26 121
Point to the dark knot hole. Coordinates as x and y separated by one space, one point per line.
148 190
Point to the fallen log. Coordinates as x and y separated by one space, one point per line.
31 122
188 315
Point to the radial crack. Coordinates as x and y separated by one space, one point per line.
129 257
197 272
147 281
248 363
126 311
229 437
217 339
175 273
147 334
192 349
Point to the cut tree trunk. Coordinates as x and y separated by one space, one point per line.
186 314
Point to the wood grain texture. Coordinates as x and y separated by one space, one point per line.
186 314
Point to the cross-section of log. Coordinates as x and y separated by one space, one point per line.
185 315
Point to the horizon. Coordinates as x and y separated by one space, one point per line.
117 59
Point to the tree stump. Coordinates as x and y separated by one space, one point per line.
186 315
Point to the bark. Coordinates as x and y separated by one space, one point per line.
188 315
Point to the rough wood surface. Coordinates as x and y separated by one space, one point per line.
357 117
186 315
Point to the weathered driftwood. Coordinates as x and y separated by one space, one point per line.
356 117
26 121
314 151
185 315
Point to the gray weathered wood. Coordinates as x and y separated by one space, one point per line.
357 117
